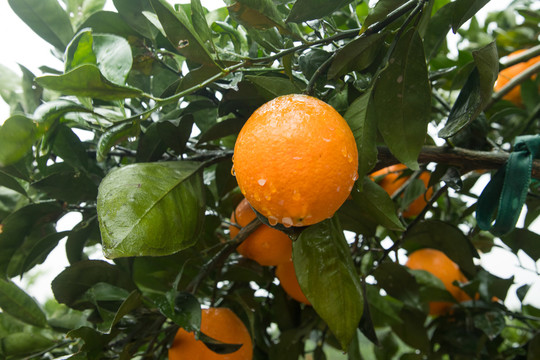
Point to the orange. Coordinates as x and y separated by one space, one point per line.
510 72
265 245
296 160
393 180
218 323
440 265
287 278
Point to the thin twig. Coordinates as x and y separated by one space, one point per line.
223 254
521 57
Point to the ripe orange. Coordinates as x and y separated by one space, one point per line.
510 72
265 245
218 323
287 278
296 160
393 180
440 265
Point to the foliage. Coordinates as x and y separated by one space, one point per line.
136 133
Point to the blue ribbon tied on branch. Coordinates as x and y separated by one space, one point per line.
507 190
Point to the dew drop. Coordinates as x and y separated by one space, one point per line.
325 139
297 158
272 220
262 182
355 176
338 188
287 222
349 158
233 173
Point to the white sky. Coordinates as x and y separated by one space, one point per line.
21 45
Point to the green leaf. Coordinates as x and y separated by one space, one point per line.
402 99
396 280
271 87
23 225
381 11
46 18
70 186
476 93
463 10
71 285
10 182
87 81
304 10
17 135
356 55
372 202
199 21
69 147
80 51
113 56
108 22
257 14
79 236
221 129
180 32
442 236
364 128
22 345
322 260
31 93
491 323
176 132
181 307
82 9
48 114
524 239
17 303
41 249
150 208
10 83
132 13
114 135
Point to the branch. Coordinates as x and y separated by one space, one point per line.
521 57
464 159
223 254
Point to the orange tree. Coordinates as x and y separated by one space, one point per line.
136 131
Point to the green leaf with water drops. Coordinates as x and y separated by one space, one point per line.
322 260
151 209
402 99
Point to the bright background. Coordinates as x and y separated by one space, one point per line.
20 45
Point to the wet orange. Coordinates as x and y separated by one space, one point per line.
393 180
296 160
221 324
510 72
265 245
440 265
287 278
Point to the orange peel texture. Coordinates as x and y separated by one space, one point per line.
296 160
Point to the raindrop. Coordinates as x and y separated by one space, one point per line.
325 139
355 176
233 173
262 182
338 188
287 222
272 220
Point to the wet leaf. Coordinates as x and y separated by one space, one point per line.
115 135
180 32
402 100
476 92
20 345
87 81
304 10
150 208
17 303
355 55
17 135
46 18
322 260
364 128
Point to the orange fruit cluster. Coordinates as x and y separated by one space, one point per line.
296 160
437 263
266 245
510 72
221 324
391 179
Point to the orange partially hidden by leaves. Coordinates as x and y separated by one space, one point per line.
440 265
296 160
265 245
220 324
510 72
393 180
287 278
